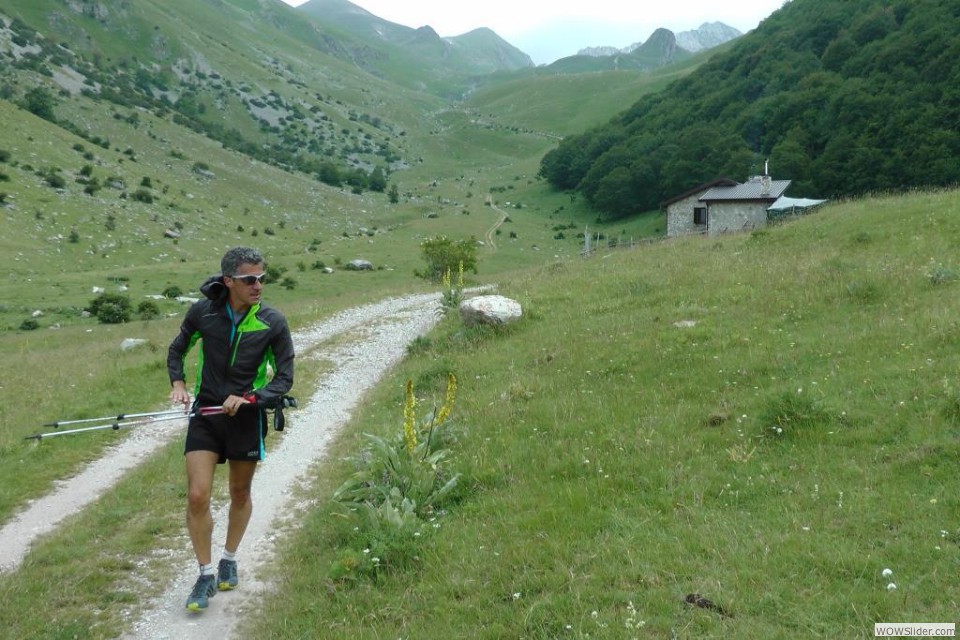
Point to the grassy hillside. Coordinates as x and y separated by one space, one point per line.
767 420
559 105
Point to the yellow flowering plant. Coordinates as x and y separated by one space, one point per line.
411 467
398 487
452 293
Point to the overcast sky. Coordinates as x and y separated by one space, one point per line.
550 29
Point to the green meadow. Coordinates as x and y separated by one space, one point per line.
768 420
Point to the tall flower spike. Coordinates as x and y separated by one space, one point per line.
409 430
448 401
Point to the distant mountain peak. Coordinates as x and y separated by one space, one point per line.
706 36
427 30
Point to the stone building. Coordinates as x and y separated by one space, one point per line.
723 206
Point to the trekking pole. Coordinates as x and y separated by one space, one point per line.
150 419
122 416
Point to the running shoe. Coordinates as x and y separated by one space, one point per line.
227 575
203 590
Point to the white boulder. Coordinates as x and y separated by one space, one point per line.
131 343
491 309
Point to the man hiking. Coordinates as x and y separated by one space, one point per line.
240 337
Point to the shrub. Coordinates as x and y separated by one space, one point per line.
110 313
40 102
148 310
173 291
942 275
274 274
54 179
110 308
30 324
143 195
443 254
4 155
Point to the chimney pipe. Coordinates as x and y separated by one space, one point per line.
765 184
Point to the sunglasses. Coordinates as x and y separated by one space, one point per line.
250 279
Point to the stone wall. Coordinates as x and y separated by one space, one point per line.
726 217
680 217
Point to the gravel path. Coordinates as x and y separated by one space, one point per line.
371 339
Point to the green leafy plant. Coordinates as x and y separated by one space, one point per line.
143 195
442 254
148 310
400 484
452 294
411 465
942 275
111 308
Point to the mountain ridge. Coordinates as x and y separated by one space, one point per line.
476 52
706 36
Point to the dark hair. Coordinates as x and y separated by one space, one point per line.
237 256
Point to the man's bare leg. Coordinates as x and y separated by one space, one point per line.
201 466
241 504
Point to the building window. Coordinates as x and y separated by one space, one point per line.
699 215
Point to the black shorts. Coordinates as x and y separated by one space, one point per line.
238 437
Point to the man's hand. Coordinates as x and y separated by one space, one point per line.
233 403
180 394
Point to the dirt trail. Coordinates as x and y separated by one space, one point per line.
490 237
370 340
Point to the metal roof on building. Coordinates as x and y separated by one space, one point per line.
720 182
751 190
784 203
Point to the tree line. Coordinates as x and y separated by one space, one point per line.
841 96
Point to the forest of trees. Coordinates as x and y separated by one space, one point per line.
842 96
